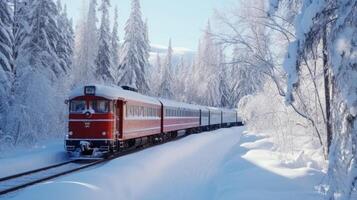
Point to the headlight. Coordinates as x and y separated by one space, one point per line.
104 133
70 133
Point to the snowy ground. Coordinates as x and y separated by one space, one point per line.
222 164
25 159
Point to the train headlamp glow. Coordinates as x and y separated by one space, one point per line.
104 133
89 90
70 133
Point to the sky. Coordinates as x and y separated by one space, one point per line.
181 20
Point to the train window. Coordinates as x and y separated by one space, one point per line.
136 113
77 106
100 106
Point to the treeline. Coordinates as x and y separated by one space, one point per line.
208 78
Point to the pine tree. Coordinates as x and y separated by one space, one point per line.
39 76
6 37
155 76
104 58
87 43
64 48
6 58
44 37
115 43
134 60
21 22
179 80
165 89
224 94
146 42
81 70
207 66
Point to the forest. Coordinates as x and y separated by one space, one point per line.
288 66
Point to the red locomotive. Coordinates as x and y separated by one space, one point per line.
106 119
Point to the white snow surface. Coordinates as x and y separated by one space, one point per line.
222 164
25 159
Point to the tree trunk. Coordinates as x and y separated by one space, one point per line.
327 84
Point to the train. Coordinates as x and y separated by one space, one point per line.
105 119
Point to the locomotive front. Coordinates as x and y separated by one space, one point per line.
91 124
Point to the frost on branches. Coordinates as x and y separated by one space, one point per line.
331 24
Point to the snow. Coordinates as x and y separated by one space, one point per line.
114 92
222 164
26 159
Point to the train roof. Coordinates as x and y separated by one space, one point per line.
229 110
175 104
114 93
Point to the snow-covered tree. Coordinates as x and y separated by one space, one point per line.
224 94
258 42
332 26
115 44
65 47
207 67
6 59
155 75
134 54
41 46
87 43
37 92
6 37
103 61
165 89
181 74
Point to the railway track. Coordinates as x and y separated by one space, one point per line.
22 180
18 181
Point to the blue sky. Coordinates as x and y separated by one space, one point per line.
182 20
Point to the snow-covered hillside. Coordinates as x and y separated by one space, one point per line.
222 164
177 54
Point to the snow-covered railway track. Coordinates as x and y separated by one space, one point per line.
22 180
25 179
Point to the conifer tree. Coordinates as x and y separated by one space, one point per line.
165 89
104 56
115 43
134 58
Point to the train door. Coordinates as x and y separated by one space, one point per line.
120 118
117 119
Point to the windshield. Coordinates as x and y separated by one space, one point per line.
100 106
77 106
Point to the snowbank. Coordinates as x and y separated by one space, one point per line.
222 164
